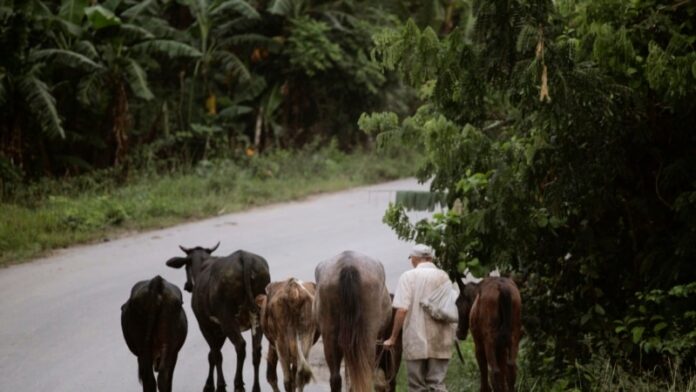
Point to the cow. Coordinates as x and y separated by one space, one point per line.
223 299
492 309
287 322
388 361
154 326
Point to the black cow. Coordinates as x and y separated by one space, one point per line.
154 326
224 291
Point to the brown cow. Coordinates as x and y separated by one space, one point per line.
287 322
492 309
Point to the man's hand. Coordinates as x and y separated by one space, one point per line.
389 343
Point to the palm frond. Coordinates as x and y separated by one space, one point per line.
68 58
73 10
87 49
249 39
240 6
137 9
42 105
235 111
135 33
231 63
168 48
137 80
282 7
88 89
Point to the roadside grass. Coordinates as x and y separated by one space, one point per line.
601 376
58 213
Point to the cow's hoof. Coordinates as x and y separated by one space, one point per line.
221 389
256 388
208 388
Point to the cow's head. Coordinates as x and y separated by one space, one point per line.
195 257
468 290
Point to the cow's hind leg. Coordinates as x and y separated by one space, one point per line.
146 376
271 367
483 367
166 374
333 356
215 340
256 337
234 334
497 374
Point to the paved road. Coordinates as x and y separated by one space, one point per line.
60 316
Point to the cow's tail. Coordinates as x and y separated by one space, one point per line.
154 298
504 337
295 300
304 370
246 273
353 339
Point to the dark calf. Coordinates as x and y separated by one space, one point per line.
154 326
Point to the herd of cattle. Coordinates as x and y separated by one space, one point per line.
349 307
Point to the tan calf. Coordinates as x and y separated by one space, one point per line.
287 322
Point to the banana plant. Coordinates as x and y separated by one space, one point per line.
26 97
124 51
216 43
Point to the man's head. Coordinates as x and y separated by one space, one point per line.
420 253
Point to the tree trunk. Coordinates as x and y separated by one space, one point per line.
120 117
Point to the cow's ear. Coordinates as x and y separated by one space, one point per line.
177 262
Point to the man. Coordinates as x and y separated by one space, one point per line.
427 343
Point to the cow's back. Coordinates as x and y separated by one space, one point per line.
233 282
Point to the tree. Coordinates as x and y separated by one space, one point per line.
559 133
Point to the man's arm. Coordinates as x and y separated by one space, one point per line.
399 318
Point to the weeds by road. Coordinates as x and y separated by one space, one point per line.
59 213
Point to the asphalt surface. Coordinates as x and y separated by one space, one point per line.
60 315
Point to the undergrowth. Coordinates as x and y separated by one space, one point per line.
60 212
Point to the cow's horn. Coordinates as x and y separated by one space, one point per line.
184 249
215 247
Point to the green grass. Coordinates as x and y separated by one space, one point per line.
58 213
602 375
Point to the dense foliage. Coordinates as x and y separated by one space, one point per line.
120 83
562 133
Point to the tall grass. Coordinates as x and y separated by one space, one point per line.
601 376
57 213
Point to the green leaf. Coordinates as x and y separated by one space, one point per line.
73 10
232 63
137 80
659 327
66 57
281 7
637 333
599 309
168 48
241 6
137 9
135 32
100 17
42 105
